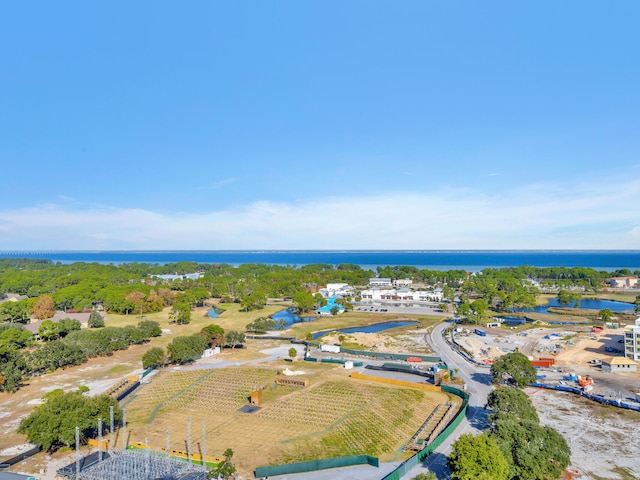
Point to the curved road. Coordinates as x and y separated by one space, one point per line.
478 380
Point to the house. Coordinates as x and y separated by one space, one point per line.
82 317
402 282
623 282
619 364
380 282
13 297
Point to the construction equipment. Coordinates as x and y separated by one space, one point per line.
585 382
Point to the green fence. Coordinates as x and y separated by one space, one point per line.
415 460
390 356
381 355
331 360
316 465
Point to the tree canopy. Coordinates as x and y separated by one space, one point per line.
512 401
513 368
153 357
477 458
187 348
53 423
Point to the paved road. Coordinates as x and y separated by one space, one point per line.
478 380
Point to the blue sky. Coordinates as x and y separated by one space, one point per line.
320 125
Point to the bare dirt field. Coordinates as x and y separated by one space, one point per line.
603 439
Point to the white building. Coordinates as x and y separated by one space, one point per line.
380 282
402 295
623 282
632 341
402 282
336 290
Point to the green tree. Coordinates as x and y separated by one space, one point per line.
463 310
261 325
605 315
150 328
153 357
479 308
15 336
96 320
448 293
14 311
224 469
187 348
533 452
181 313
566 297
513 368
254 301
636 304
68 325
235 338
12 369
53 423
304 300
319 300
292 353
477 458
48 330
512 401
213 334
425 476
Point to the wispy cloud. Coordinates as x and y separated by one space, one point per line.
566 216
221 183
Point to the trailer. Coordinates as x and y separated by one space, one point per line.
330 348
479 332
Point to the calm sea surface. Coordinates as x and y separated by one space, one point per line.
470 260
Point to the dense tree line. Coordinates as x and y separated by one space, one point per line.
136 288
20 356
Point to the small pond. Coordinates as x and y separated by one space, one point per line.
590 303
291 317
214 312
376 327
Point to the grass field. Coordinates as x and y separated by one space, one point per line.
334 416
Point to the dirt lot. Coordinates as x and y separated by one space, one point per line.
603 439
572 347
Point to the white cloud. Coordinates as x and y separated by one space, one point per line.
541 216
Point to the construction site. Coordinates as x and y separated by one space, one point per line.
570 355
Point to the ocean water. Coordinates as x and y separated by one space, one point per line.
469 260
